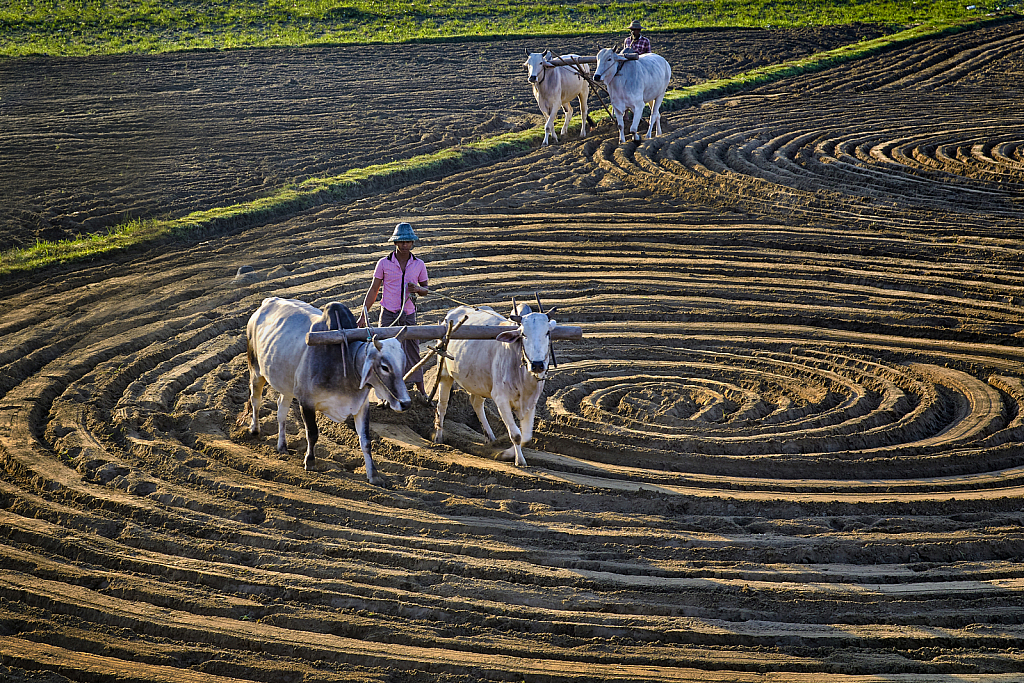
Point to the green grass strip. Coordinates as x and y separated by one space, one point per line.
354 182
81 27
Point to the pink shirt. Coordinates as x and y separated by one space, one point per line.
394 281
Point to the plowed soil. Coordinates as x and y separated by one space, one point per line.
788 448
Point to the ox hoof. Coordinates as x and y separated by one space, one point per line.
377 479
309 464
507 455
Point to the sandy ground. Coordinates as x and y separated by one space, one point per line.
787 449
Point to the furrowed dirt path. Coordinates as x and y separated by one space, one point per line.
789 447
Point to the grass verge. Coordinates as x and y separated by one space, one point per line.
314 191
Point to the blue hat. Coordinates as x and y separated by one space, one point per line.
403 233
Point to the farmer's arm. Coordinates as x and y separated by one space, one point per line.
418 282
369 300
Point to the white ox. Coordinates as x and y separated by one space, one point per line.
510 372
632 83
555 87
334 379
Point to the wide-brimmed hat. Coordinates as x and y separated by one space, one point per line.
403 233
636 25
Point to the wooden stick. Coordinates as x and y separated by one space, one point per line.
428 332
440 349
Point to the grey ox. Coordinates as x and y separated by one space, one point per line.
510 371
631 83
334 379
555 87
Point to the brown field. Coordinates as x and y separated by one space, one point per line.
789 447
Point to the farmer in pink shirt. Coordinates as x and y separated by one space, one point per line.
403 275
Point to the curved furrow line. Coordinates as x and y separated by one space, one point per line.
965 63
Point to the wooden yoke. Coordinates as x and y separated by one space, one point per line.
428 332
574 61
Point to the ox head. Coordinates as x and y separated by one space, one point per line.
608 63
383 368
535 64
533 336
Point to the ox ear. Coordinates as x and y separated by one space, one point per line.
509 336
516 318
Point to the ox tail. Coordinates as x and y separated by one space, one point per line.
254 367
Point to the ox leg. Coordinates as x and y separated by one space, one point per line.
516 452
549 126
638 113
256 384
526 419
583 112
444 384
284 402
312 435
362 423
567 108
478 407
656 114
619 114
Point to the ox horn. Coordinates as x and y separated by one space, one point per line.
527 51
515 308
540 306
377 344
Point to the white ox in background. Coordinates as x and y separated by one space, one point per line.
511 372
555 87
334 379
631 83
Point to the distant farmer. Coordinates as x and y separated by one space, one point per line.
404 276
636 42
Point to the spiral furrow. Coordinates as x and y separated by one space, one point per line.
788 445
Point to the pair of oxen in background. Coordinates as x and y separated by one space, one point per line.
631 83
336 379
